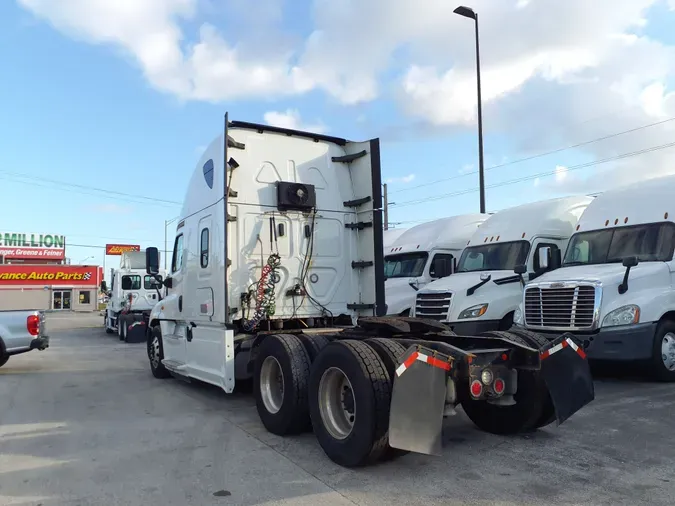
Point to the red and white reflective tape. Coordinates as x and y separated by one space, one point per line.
567 342
434 362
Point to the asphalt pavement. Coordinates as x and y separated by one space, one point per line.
85 423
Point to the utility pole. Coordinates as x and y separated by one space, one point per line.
386 208
166 248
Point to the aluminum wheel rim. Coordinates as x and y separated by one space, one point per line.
271 384
336 403
154 352
668 351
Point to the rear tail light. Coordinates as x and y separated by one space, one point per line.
476 388
499 386
33 325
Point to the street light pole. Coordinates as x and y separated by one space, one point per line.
166 246
467 12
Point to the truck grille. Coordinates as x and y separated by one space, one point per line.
434 306
565 307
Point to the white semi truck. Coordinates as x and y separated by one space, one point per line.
615 288
133 293
503 253
390 236
278 275
424 253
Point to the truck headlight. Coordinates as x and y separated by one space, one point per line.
473 311
518 317
625 315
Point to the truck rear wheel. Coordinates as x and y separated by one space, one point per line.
280 379
524 415
389 352
349 399
313 343
156 354
3 359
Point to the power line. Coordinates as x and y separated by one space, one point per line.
35 181
540 155
538 175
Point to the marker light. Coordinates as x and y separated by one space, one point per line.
499 386
476 388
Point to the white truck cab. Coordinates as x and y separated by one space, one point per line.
278 276
422 254
487 287
615 288
389 236
132 292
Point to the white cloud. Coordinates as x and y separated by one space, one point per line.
546 64
291 119
560 173
404 179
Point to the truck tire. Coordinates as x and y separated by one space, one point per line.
280 381
389 352
313 343
524 415
349 400
664 339
156 354
3 359
121 324
108 330
538 341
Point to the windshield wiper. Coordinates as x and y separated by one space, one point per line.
569 264
475 287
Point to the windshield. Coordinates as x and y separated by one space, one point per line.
653 242
406 265
494 257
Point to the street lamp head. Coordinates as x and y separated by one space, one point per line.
467 12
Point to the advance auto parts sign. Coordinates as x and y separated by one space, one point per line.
32 246
46 275
118 249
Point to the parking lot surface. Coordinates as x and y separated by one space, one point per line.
85 423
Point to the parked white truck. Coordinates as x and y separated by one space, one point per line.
278 275
424 253
615 288
390 235
488 285
133 293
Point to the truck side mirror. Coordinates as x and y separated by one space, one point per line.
104 287
630 261
544 258
454 265
520 269
151 260
168 282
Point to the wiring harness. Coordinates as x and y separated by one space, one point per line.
263 290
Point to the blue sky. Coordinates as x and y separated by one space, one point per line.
87 112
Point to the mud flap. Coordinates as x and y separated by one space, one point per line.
567 375
418 401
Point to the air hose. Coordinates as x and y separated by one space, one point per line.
263 291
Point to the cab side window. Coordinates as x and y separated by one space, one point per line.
204 249
535 260
439 259
177 261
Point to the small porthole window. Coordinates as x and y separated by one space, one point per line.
208 173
